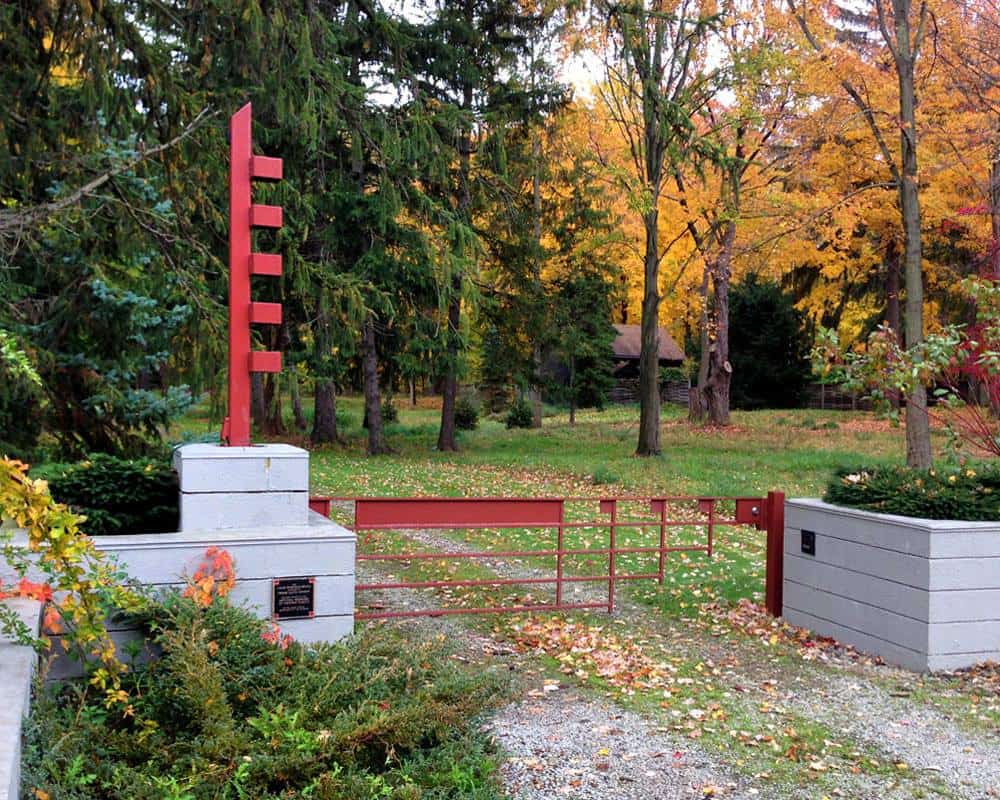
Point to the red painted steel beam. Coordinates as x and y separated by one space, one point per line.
265 216
596 551
421 512
471 582
236 430
441 612
265 264
265 168
264 361
265 313
244 215
774 577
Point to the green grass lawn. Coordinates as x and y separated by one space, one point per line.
794 451
682 622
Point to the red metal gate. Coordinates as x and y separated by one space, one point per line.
550 514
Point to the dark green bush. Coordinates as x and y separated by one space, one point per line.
389 411
769 344
222 713
20 416
603 475
345 419
960 493
520 414
115 494
466 414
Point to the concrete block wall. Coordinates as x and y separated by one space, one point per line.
322 549
923 594
242 487
17 672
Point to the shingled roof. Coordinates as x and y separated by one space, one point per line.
628 344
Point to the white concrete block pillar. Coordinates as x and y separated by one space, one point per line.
223 488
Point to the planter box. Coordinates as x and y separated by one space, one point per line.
17 671
322 550
923 594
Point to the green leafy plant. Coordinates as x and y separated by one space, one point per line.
963 493
520 414
15 361
20 399
604 475
116 495
466 413
885 370
89 586
224 711
673 375
389 411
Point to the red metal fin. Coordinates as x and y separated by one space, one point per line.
265 216
265 361
265 313
265 168
265 264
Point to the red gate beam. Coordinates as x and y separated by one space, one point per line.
244 215
438 513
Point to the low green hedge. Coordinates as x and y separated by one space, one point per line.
969 492
116 495
232 711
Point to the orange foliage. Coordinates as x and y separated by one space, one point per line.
214 578
819 211
274 636
51 617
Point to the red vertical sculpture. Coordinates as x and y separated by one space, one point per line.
244 215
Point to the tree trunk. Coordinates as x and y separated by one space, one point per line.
446 435
324 428
274 419
536 354
572 391
413 393
298 416
274 423
535 391
918 436
697 411
373 397
995 204
649 354
258 409
893 313
718 371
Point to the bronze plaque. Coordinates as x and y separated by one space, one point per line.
293 598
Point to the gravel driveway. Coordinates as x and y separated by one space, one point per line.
561 742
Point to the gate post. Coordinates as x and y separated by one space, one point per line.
244 215
774 521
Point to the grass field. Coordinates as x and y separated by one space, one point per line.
686 655
794 451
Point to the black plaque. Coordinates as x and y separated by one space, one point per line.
293 598
809 543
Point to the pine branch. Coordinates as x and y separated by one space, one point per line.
15 222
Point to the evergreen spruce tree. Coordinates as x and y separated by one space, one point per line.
466 60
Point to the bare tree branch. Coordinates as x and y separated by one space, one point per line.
13 223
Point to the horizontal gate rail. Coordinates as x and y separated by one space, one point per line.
444 513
